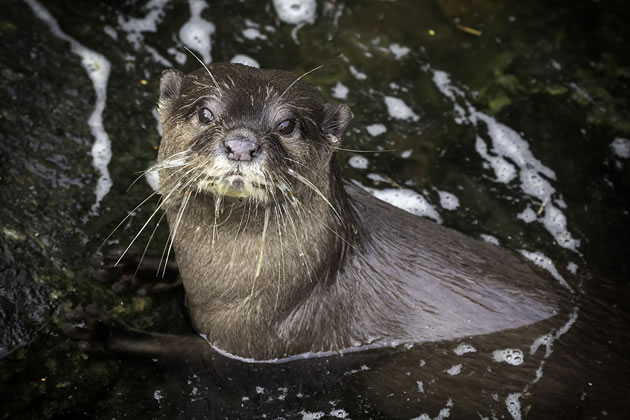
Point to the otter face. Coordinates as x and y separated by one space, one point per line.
237 131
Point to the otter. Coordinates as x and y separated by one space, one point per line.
279 255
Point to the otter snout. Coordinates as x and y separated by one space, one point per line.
240 148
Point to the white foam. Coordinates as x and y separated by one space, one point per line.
398 51
135 27
556 223
111 32
376 129
340 91
358 162
157 57
378 178
572 268
443 414
448 200
356 73
514 357
295 12
504 171
97 68
464 348
489 238
157 395
621 147
339 413
153 179
197 32
407 200
253 34
528 215
454 370
307 415
513 405
420 386
245 60
406 154
545 263
179 56
510 158
398 109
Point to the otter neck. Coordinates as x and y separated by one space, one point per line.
241 279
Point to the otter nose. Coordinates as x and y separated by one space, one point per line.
241 149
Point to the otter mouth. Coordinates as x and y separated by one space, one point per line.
235 184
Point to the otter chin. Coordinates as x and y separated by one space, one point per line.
280 255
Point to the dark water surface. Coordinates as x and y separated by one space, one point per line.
506 120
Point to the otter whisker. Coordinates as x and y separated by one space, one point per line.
365 151
144 252
177 222
125 219
147 222
260 258
300 249
299 78
208 70
313 172
171 236
316 190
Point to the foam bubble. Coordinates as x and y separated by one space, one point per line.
406 154
511 157
307 415
253 34
513 405
514 357
572 268
376 129
545 263
489 238
339 413
448 201
295 12
504 171
135 27
398 109
464 348
528 215
179 56
340 91
356 73
621 147
358 162
420 386
196 32
153 179
407 200
245 60
98 69
455 370
399 51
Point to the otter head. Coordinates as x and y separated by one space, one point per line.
237 131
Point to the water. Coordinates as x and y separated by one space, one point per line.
508 122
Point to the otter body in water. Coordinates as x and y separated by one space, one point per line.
279 255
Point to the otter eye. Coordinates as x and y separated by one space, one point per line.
205 116
286 127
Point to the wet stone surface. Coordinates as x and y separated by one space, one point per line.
517 112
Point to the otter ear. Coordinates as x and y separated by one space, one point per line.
336 120
170 84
